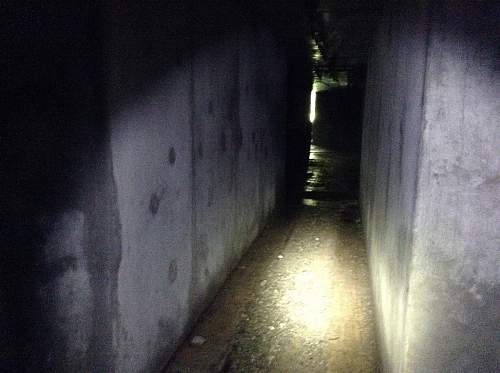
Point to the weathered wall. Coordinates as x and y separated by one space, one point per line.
149 92
145 151
430 185
239 102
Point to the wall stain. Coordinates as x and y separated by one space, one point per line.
172 156
172 271
154 202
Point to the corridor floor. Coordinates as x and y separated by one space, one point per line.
299 301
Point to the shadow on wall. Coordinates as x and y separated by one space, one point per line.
54 163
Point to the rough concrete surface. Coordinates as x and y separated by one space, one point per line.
455 285
430 185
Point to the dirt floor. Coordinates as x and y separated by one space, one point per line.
300 300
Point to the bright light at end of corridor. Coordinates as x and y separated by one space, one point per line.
312 109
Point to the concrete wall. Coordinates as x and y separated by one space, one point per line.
430 185
145 151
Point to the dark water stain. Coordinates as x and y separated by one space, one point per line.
172 271
154 203
172 156
211 107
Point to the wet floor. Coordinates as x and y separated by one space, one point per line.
299 301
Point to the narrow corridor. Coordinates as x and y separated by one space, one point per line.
300 299
154 215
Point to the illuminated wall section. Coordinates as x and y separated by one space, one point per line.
453 320
430 186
